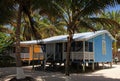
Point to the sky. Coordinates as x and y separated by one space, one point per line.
117 7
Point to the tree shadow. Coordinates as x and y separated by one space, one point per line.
76 77
73 69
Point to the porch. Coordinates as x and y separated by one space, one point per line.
81 51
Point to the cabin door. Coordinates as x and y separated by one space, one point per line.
59 49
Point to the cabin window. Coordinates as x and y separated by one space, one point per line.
75 46
79 46
88 46
65 47
103 47
24 49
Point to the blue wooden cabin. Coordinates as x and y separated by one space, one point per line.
88 47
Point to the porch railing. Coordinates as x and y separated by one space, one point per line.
88 56
80 56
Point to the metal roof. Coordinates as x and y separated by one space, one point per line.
77 37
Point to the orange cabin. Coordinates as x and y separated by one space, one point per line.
30 52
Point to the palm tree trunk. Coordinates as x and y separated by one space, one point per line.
115 48
67 68
20 73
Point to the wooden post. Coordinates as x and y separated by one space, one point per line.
63 52
110 64
103 65
29 62
93 66
33 57
83 65
83 56
45 59
54 48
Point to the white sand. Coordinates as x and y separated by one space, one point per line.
110 74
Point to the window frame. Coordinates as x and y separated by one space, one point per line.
24 50
103 45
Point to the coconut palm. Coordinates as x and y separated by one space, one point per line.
24 6
76 14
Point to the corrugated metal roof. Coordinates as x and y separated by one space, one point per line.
77 37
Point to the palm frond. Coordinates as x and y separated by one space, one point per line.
105 21
84 24
96 6
4 29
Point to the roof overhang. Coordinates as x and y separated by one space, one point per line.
63 38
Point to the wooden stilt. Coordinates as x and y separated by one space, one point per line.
78 68
93 66
97 64
83 56
83 67
110 64
44 62
103 65
33 57
29 62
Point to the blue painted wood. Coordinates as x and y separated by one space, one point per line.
99 56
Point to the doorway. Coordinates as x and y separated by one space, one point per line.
59 50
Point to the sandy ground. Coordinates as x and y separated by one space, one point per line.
109 74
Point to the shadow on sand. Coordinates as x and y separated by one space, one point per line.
73 69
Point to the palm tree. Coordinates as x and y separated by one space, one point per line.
24 6
76 13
